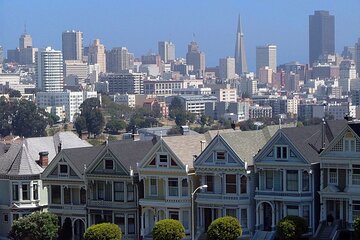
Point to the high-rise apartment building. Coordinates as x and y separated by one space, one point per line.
347 73
240 55
1 55
227 68
119 59
166 51
125 82
97 55
72 45
266 56
196 58
357 57
49 70
25 41
321 35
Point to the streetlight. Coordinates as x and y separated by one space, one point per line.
192 211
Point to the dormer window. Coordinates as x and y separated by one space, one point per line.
349 145
281 152
63 170
109 164
163 160
220 156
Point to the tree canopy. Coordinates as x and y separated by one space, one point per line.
168 229
285 226
36 226
227 227
103 231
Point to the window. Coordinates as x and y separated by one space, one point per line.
281 152
120 221
243 184
306 213
305 181
292 180
25 192
15 192
109 164
230 183
82 196
153 187
67 195
173 185
186 222
231 212
55 194
130 192
6 218
35 191
269 179
64 171
292 210
356 174
220 156
184 188
173 163
244 218
356 209
349 145
333 176
174 215
210 183
163 160
119 191
131 224
100 191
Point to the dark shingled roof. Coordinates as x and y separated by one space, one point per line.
308 139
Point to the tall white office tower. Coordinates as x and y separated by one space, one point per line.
72 45
347 73
49 70
240 55
166 51
97 55
266 57
227 68
25 41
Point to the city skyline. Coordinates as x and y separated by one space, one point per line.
213 23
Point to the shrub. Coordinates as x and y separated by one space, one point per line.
299 223
36 226
357 227
168 229
224 228
103 231
285 230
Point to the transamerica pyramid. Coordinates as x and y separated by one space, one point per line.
240 55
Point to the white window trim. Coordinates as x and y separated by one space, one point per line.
113 167
63 174
157 187
179 188
349 139
337 177
225 156
158 160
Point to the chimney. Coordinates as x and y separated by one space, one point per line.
202 144
59 147
43 159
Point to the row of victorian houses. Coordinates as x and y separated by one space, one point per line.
257 176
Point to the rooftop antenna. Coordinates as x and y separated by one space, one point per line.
193 37
25 28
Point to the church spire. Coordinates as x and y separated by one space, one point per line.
240 55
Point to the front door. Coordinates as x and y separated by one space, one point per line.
207 217
267 217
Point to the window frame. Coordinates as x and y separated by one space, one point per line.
35 191
151 187
281 157
106 166
160 162
62 174
15 192
121 191
173 180
330 178
27 191
230 184
292 180
222 157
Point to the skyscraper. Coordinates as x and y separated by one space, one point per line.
357 57
72 45
240 55
266 57
49 70
25 41
196 58
227 68
321 35
119 59
166 51
97 55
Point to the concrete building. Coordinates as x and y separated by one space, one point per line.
347 73
218 110
162 87
194 103
49 70
72 45
119 59
321 35
126 82
266 56
257 111
97 55
224 93
265 75
27 55
240 53
196 58
357 57
227 68
76 68
69 101
166 51
25 41
247 87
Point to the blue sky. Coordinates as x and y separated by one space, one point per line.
139 25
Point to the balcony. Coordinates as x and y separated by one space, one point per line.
67 209
222 198
110 204
175 202
282 194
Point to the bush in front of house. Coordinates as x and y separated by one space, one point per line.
299 223
224 228
168 229
103 231
285 229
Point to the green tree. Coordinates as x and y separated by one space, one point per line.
227 227
299 223
168 229
103 231
115 125
180 118
357 226
6 115
80 125
36 226
93 117
285 230
14 93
